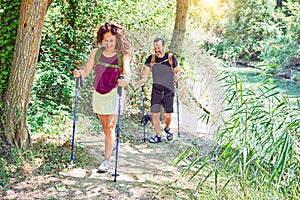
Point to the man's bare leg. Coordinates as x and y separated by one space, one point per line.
156 123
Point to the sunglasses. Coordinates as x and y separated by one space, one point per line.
109 27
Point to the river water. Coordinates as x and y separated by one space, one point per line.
253 76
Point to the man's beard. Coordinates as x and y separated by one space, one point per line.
159 53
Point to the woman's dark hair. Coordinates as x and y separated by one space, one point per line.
122 43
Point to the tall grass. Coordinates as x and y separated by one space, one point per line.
258 146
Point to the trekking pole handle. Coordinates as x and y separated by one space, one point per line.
79 79
176 85
143 88
119 87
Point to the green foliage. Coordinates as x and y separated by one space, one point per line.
262 127
62 50
257 31
9 15
48 155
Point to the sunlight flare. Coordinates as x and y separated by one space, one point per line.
210 2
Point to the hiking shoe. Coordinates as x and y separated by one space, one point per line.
104 166
169 134
155 139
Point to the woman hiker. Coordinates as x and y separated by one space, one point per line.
109 61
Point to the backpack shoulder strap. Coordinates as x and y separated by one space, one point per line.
97 60
152 62
120 62
97 55
170 60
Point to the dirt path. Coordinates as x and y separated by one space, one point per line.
146 172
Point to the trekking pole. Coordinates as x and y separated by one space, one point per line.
74 119
143 113
118 129
177 107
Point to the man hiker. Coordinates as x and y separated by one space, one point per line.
165 72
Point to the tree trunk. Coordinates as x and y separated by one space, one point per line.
31 21
180 27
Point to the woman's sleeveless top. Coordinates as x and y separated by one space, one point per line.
107 72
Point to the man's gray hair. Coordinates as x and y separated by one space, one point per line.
160 40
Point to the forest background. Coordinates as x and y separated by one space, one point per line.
257 145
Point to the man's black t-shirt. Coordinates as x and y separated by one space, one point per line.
162 73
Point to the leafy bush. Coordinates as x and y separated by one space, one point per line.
259 32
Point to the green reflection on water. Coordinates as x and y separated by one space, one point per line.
252 76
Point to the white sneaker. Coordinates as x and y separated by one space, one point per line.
104 166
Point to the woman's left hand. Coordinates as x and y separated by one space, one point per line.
122 82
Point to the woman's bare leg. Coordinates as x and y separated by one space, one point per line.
108 124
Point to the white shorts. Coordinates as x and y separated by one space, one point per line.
107 104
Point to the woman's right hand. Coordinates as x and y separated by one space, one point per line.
76 73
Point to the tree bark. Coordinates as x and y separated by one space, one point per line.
31 21
179 27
